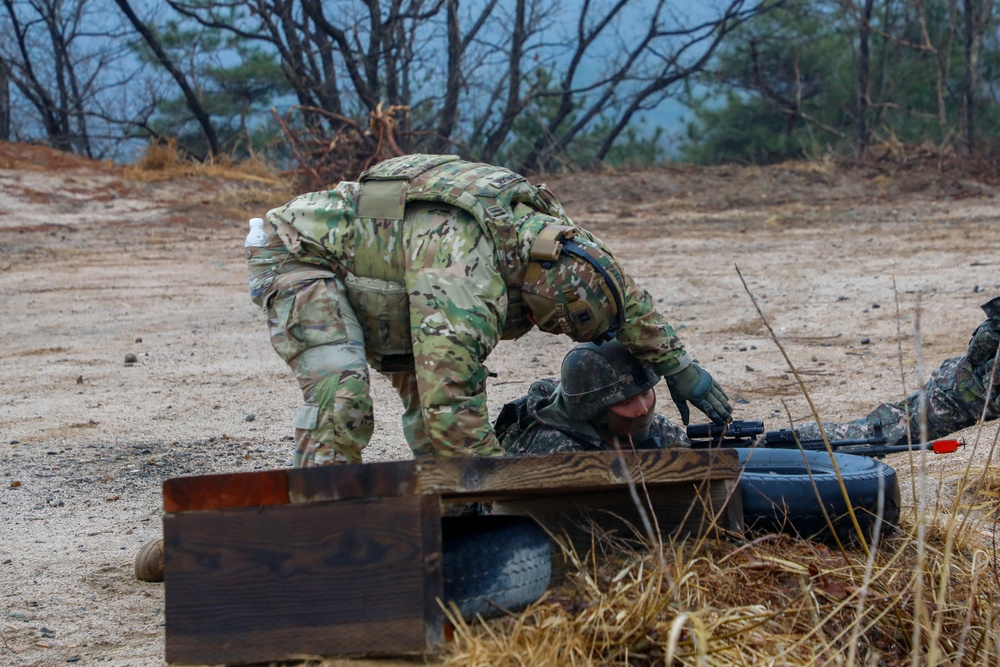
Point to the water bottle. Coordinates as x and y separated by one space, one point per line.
257 238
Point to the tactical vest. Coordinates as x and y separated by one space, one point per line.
486 192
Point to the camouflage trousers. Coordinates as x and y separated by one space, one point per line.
315 330
954 398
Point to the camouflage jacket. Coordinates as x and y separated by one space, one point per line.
469 310
534 424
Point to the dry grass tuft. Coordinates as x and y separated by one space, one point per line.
163 161
249 185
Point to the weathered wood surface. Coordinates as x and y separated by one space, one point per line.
346 578
573 471
218 491
481 477
675 510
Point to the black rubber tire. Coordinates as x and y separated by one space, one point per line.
493 564
778 494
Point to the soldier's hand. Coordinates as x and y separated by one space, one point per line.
695 386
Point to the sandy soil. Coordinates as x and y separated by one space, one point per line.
96 265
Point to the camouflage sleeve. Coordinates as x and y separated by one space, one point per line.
671 434
456 315
646 333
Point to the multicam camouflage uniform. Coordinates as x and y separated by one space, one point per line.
539 423
954 396
453 247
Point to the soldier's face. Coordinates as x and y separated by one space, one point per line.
633 417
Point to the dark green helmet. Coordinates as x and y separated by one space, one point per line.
595 377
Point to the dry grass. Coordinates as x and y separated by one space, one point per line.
246 185
927 596
163 161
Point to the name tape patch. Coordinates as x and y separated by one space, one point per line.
505 180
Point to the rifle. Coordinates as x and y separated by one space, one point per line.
741 433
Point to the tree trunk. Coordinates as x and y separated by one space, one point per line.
4 104
864 77
194 104
975 19
453 87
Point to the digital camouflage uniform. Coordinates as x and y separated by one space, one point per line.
456 243
954 395
539 423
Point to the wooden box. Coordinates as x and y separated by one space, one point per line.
346 560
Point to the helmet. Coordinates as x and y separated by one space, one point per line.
595 377
573 287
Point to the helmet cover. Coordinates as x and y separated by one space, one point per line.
594 377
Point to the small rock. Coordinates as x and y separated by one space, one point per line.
875 305
750 369
742 401
130 359
977 289
15 484
250 417
865 341
138 340
79 379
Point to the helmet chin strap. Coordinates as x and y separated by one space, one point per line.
573 248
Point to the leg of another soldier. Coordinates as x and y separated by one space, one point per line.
413 419
314 329
954 400
955 395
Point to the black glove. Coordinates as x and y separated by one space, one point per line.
694 385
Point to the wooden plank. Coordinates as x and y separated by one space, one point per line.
361 480
346 578
572 471
676 509
219 491
458 476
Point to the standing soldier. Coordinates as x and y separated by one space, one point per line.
419 269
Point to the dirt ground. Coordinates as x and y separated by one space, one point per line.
847 265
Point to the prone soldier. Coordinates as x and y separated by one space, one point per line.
604 397
602 400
